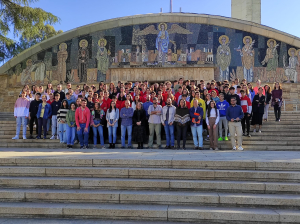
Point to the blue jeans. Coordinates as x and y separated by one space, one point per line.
62 127
71 134
83 136
54 125
123 132
96 130
112 134
21 121
197 132
169 130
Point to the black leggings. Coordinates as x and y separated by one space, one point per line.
246 120
33 120
277 111
181 131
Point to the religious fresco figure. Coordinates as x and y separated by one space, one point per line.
83 56
103 60
38 67
62 56
162 39
224 57
271 59
247 54
290 70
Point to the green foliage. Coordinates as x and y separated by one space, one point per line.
33 25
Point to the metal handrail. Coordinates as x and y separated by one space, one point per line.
294 102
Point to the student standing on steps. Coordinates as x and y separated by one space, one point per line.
277 100
222 107
112 117
62 123
167 120
34 106
71 126
97 123
55 107
196 114
155 112
182 119
268 96
21 113
258 106
43 114
126 114
212 120
139 125
234 115
82 117
247 109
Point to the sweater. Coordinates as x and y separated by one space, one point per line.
22 107
55 107
62 115
246 104
182 115
222 107
70 117
234 112
83 116
126 114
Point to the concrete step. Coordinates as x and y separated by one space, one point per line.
149 212
152 173
151 197
151 184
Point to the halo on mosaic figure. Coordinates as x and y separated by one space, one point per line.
28 61
159 26
244 39
102 40
84 40
63 44
223 36
292 49
268 42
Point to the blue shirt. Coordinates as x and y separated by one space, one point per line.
146 105
126 114
234 112
70 101
222 107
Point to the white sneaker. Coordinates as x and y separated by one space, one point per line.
216 149
24 137
235 135
234 148
254 131
57 137
228 135
211 149
240 148
16 137
259 131
53 137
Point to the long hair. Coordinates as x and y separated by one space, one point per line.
209 108
110 107
269 90
99 108
71 105
278 84
184 106
62 104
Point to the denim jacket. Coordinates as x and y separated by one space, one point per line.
47 111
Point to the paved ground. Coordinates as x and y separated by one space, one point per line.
151 154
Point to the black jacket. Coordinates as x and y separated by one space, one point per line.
55 107
237 97
34 107
261 102
268 97
62 95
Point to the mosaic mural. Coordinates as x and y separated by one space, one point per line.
91 57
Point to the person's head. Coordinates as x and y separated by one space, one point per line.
23 94
72 106
214 93
51 96
38 96
208 85
231 90
136 98
83 103
195 102
112 104
243 93
197 95
267 89
249 85
258 82
260 90
44 98
68 96
169 101
64 104
49 86
277 86
226 89
180 89
78 102
128 97
221 96
180 81
238 89
233 101
90 98
212 104
184 96
236 81
139 106
148 97
97 106
212 85
182 103
127 103
69 85
208 97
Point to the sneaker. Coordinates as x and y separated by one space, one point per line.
57 137
211 149
196 148
234 148
81 147
34 126
200 148
129 147
94 147
16 137
240 148
207 139
53 137
216 149
228 135
254 131
172 147
226 138
220 139
24 137
244 134
30 137
38 137
103 147
75 142
122 147
68 146
183 148
248 135
159 147
259 131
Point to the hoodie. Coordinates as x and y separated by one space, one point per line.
22 107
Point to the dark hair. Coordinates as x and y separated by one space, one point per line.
242 91
231 88
62 105
38 94
269 90
179 106
110 107
278 84
209 108
71 105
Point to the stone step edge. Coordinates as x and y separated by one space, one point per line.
149 212
149 197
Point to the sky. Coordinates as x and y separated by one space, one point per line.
277 14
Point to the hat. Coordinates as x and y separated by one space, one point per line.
154 98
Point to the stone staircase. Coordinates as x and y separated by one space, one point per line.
275 136
159 189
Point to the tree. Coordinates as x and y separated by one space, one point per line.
31 24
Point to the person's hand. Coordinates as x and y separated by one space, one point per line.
208 127
86 129
163 124
232 120
215 126
78 128
199 117
237 119
171 123
15 116
249 115
25 117
265 104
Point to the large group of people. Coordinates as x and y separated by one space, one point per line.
144 113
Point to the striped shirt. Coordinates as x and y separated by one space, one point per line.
62 115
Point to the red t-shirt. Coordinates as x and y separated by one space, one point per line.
104 106
108 101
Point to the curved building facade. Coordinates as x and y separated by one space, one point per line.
158 47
